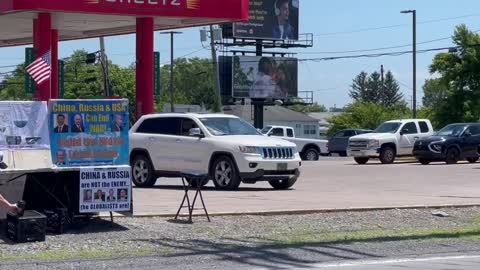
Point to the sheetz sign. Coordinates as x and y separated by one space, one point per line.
188 4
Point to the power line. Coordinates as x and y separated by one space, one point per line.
394 26
185 55
9 66
381 48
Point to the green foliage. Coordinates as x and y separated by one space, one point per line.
390 95
239 76
309 108
434 92
366 115
14 86
369 88
455 95
193 82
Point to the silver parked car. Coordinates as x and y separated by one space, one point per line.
338 143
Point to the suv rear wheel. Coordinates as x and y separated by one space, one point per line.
387 155
143 174
224 174
472 159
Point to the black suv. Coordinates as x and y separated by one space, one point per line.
452 143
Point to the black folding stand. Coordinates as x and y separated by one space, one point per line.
196 180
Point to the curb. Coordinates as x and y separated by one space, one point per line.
302 211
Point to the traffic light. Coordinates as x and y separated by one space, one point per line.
91 58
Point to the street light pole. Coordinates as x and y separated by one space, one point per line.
414 53
172 101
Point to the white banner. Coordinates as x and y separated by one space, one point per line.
24 125
105 189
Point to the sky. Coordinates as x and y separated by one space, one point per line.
337 26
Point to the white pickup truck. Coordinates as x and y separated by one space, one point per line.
391 139
310 149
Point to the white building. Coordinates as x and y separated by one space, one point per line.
323 123
304 125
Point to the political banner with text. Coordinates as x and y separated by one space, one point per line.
105 189
24 125
89 132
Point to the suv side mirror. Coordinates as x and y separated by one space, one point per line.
467 134
195 132
404 131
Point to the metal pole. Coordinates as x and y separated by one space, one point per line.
172 101
258 104
414 54
383 82
215 67
103 59
414 64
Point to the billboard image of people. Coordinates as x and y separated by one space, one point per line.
264 77
270 19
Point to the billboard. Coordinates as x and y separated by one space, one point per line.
89 132
270 19
265 77
24 125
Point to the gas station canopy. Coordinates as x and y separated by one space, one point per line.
78 19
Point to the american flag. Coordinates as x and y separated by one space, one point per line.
40 69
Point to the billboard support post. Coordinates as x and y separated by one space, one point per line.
258 104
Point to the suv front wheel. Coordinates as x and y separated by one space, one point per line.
387 155
224 174
283 183
143 174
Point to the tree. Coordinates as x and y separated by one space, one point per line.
315 107
359 87
391 95
367 115
369 88
458 74
374 88
434 92
193 82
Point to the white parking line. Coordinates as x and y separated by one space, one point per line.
386 262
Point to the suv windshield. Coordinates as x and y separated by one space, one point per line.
389 127
228 126
451 130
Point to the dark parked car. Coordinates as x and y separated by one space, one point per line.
338 143
452 143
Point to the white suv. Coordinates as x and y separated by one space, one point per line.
227 148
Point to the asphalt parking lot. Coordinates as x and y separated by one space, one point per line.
331 183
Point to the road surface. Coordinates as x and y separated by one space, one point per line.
331 184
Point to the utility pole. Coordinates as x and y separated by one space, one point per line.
258 103
414 53
215 67
415 64
172 100
383 84
104 62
